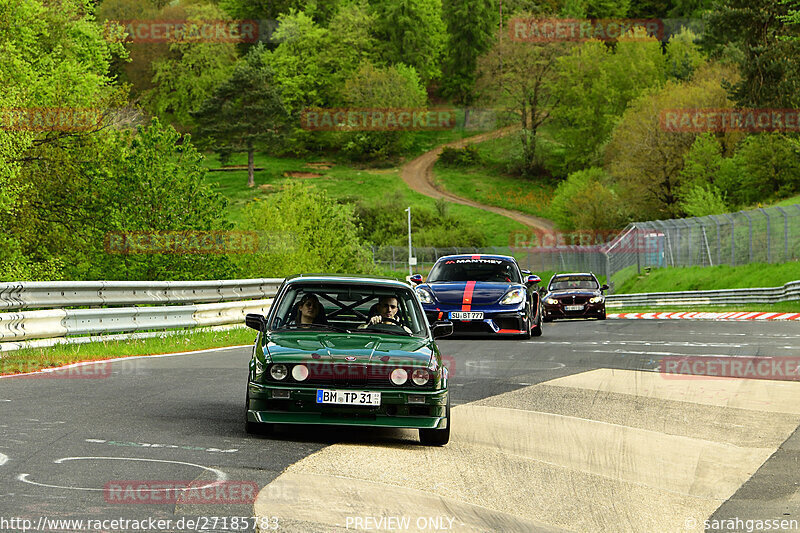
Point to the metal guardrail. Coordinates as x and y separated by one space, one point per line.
164 305
54 294
770 295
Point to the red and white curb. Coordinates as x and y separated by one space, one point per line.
709 316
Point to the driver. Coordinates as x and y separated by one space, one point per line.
387 307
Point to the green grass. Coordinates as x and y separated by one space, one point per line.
706 278
490 183
345 182
789 201
32 359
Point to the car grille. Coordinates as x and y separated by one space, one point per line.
356 375
568 300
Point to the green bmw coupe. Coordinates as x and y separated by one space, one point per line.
348 351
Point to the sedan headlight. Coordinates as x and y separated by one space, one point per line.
300 372
424 296
551 301
513 297
596 300
278 372
399 376
420 376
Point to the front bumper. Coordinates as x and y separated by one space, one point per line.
590 310
503 322
301 408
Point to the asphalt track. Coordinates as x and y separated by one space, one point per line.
573 431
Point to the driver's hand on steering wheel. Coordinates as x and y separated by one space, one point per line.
377 319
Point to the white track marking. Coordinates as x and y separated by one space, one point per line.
220 475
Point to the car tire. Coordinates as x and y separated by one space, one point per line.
437 437
526 334
547 319
254 428
537 329
602 317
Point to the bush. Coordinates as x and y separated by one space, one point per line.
301 230
386 224
586 201
460 157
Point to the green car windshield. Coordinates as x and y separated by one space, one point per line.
342 307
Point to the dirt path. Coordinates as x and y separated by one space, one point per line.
418 174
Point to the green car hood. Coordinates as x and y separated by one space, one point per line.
295 347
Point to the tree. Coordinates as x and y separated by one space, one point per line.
595 84
471 29
397 86
53 58
300 62
646 159
186 78
245 112
770 58
412 32
520 77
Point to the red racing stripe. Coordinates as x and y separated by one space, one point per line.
466 302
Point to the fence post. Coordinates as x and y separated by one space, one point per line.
769 252
750 225
785 232
733 238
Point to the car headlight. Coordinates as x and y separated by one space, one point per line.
596 300
300 372
424 296
399 376
551 301
513 297
420 376
278 372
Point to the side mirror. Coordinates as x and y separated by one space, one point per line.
255 321
442 328
604 288
533 279
416 279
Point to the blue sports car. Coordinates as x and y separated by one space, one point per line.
482 295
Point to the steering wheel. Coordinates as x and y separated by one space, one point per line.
390 320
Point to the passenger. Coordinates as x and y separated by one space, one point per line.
309 311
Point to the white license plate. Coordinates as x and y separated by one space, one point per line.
466 315
573 308
348 397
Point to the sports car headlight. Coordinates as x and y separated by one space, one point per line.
424 296
278 372
420 376
596 300
300 372
399 376
513 297
551 301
